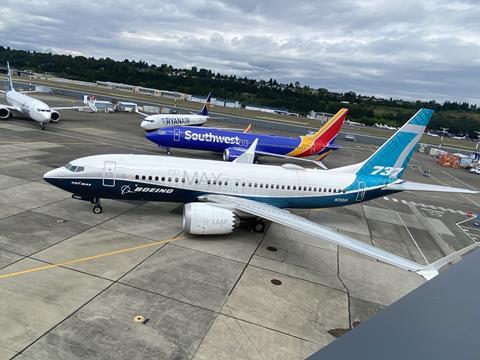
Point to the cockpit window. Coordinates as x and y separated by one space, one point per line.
43 110
74 168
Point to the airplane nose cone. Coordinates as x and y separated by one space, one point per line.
144 125
53 176
151 135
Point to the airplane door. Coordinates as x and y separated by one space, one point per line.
109 170
361 191
176 135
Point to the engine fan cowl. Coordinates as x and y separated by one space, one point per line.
205 219
55 117
4 113
232 153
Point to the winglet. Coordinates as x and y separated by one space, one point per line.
248 156
431 270
247 129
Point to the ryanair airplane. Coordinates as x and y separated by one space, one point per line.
158 121
219 194
234 143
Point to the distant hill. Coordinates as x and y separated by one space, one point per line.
460 118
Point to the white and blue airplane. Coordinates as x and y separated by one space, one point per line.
218 194
158 121
35 109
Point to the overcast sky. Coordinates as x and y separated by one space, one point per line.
415 49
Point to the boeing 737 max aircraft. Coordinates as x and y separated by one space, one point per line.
217 194
157 121
31 107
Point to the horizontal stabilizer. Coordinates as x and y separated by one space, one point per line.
414 186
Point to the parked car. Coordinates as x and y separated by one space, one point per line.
475 171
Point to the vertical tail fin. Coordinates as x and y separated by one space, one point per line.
9 79
205 106
329 131
388 163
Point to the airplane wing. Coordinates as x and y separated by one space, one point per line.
9 107
414 186
306 226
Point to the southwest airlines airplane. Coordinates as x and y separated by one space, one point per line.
218 194
157 121
31 107
233 143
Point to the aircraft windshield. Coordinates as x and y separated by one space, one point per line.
74 168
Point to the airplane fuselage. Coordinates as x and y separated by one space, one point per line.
168 179
29 106
158 121
232 143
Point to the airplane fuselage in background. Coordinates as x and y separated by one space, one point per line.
29 106
158 121
233 143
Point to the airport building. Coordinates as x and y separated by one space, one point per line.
270 110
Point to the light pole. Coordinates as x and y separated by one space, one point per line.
444 130
477 155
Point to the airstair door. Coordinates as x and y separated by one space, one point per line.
176 135
109 171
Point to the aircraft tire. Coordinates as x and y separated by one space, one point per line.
97 209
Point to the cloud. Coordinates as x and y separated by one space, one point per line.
411 49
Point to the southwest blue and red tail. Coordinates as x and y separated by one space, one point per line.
315 143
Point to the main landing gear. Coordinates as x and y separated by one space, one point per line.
97 208
256 225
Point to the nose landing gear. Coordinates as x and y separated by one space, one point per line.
42 126
97 208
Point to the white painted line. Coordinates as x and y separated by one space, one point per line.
385 198
409 233
394 199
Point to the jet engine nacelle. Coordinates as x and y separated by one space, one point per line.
205 219
4 113
232 153
55 117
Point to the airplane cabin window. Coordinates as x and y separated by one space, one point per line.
156 178
266 186
278 186
283 187
176 179
150 178
236 183
137 177
261 185
183 180
288 187
226 182
255 185
143 177
163 178
214 182
169 179
196 181
294 187
209 182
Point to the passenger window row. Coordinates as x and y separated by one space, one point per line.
246 184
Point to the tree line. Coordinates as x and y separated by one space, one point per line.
458 117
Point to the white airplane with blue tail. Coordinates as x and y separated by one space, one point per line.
35 109
218 194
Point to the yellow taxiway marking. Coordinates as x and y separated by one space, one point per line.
89 258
